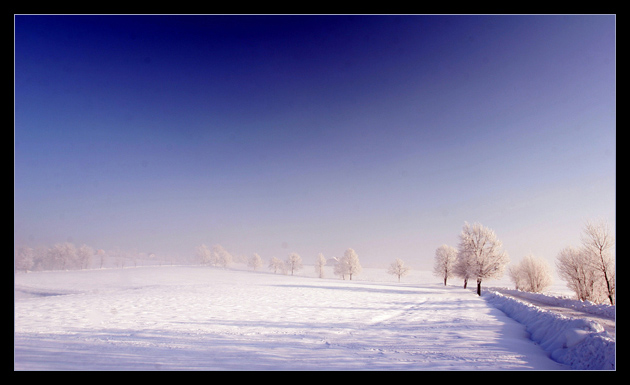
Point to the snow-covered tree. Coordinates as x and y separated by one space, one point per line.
340 269
572 266
320 262
589 271
598 245
255 262
62 255
84 256
349 264
531 274
102 256
276 264
24 258
480 249
294 262
204 255
398 268
463 268
445 260
220 256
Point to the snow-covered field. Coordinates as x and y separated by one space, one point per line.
202 318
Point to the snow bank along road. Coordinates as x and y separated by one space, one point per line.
188 317
602 314
579 341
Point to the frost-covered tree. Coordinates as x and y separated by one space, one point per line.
294 262
84 256
445 260
276 265
204 255
255 262
482 253
320 262
62 255
24 258
463 268
598 245
573 267
589 271
398 268
220 256
102 256
350 263
340 269
531 274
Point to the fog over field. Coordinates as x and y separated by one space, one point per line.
293 192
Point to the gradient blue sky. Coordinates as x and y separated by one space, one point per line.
309 134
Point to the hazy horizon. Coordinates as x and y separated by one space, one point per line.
313 134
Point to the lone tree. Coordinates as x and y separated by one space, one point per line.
320 262
398 268
352 265
445 260
480 251
294 262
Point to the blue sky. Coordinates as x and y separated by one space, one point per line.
309 134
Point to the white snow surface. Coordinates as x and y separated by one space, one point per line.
203 318
581 343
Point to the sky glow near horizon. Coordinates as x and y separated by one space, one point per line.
309 134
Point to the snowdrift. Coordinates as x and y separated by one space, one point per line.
563 301
580 343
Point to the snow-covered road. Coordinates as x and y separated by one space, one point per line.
196 318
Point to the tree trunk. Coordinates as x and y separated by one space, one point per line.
444 281
478 287
465 282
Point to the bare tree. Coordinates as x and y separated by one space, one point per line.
294 262
598 244
320 262
398 268
255 262
445 260
531 274
481 249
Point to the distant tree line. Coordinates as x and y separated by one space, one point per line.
346 266
67 256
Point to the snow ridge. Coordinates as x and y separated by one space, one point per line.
580 343
604 310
